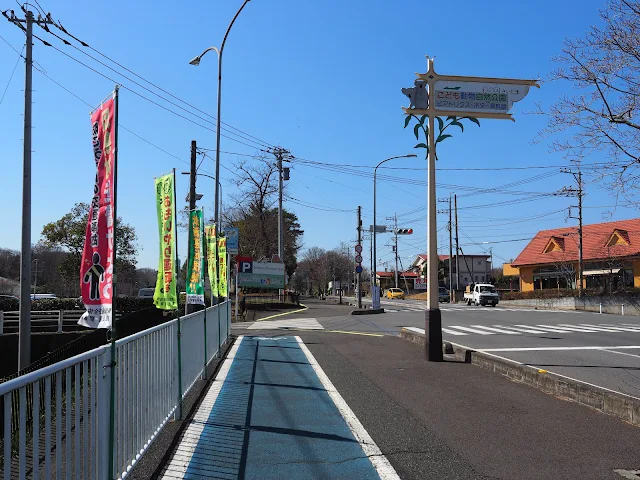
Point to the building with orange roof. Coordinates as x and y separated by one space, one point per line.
610 257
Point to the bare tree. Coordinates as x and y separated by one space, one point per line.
604 68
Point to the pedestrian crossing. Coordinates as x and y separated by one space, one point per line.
539 329
290 324
471 309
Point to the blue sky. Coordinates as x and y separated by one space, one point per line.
321 79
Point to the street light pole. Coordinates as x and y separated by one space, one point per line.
196 61
375 172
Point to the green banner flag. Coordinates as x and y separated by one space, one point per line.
195 272
165 296
210 235
222 259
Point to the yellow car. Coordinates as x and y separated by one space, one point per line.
395 293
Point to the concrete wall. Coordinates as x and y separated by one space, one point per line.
526 279
612 305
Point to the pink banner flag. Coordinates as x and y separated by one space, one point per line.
96 269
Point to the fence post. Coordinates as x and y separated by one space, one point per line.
600 308
623 309
60 320
1 322
105 370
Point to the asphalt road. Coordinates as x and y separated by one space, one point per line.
600 349
455 421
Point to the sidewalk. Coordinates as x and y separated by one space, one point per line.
270 414
273 413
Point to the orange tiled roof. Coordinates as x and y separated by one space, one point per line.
594 243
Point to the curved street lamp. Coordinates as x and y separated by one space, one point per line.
375 171
196 62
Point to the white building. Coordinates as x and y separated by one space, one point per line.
473 268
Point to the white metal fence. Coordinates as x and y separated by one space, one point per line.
57 420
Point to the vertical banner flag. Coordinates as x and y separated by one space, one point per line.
96 268
165 296
210 235
222 259
195 272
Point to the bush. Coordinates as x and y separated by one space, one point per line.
9 304
124 305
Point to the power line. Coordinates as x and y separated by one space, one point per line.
11 77
241 134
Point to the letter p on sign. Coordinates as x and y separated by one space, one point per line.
245 267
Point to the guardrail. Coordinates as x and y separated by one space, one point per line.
43 321
64 410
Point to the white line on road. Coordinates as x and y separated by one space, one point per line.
371 450
445 330
524 329
620 353
499 330
472 330
613 328
576 328
559 349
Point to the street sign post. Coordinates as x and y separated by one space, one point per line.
451 96
232 235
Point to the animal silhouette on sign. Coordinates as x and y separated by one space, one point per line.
418 95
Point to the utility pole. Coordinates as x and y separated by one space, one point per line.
448 200
24 332
359 277
576 192
188 308
395 231
35 280
283 174
455 201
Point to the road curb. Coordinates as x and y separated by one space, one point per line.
607 401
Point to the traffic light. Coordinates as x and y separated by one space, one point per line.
405 231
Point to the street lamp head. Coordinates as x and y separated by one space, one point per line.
196 60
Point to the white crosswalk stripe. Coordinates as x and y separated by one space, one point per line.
293 324
538 329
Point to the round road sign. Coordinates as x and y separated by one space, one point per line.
358 258
359 248
359 269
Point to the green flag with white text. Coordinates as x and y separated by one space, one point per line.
195 272
165 296
210 236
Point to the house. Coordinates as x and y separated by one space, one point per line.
473 268
387 280
610 252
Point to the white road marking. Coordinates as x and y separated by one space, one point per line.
620 353
180 463
526 329
472 330
499 330
371 450
445 330
421 330
559 349
295 323
550 328
577 328
613 328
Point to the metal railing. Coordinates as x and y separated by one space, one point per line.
64 409
44 321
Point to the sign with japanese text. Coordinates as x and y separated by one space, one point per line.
222 269
375 297
260 274
477 96
232 236
165 297
195 272
420 283
210 238
96 267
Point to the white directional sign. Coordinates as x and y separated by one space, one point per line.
477 96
